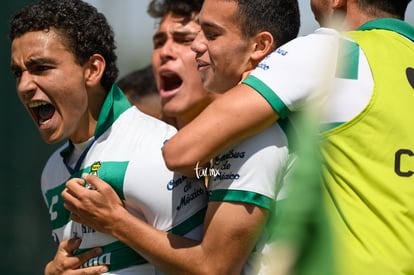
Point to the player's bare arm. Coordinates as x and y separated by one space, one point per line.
224 123
226 223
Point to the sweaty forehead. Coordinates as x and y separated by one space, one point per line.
173 24
45 39
37 45
190 27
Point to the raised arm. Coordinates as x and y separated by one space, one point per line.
239 113
287 84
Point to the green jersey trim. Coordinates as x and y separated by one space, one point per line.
243 197
111 172
271 97
114 105
115 255
189 224
390 24
59 216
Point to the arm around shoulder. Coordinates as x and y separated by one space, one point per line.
239 113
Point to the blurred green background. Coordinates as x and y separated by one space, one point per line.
25 238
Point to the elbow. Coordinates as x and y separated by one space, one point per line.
177 162
172 163
171 160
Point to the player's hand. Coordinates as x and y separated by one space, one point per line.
97 208
65 263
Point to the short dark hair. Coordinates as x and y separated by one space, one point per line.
139 83
396 8
84 30
279 17
184 8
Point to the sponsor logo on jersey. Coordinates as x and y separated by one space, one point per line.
187 198
176 182
282 51
104 259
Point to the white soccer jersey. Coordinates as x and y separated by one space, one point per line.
299 74
366 77
252 172
127 151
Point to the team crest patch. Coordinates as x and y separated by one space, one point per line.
94 171
410 76
95 167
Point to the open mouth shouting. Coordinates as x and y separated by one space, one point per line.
170 82
41 112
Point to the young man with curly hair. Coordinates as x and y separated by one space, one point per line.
65 67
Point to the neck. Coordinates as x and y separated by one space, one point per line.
196 110
355 17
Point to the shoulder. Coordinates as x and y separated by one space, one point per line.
142 123
320 37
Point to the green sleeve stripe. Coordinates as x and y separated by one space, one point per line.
116 256
277 104
190 223
242 196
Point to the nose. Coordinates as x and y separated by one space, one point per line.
199 44
167 52
25 86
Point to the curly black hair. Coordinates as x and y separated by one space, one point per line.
184 8
84 30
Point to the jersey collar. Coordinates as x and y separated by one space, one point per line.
114 105
390 24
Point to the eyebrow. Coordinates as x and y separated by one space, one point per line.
33 62
183 32
211 25
36 61
160 35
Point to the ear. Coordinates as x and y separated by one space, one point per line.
94 70
338 4
263 45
